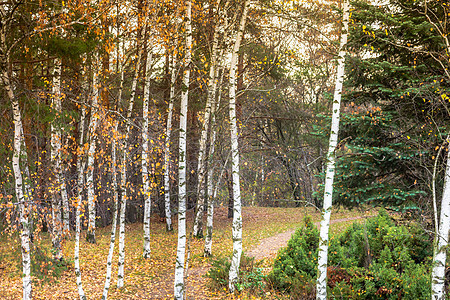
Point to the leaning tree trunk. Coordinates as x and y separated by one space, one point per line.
441 240
179 286
321 287
19 151
145 175
237 217
55 158
90 235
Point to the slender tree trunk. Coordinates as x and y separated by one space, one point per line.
210 103
210 210
90 235
19 151
173 77
123 183
55 158
80 186
145 175
201 168
237 217
321 288
115 208
210 214
179 286
441 240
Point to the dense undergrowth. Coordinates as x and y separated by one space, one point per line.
373 260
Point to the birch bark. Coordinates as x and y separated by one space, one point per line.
19 150
237 217
115 208
201 168
173 77
80 186
145 175
93 123
123 183
212 194
321 286
441 240
55 158
179 285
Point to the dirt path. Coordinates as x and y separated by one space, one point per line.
269 247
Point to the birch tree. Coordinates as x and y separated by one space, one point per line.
173 77
123 181
19 150
18 153
211 191
93 123
55 157
237 216
21 199
144 156
115 208
179 285
81 164
441 239
321 287
210 102
59 193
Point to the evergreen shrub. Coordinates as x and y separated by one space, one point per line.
295 267
373 260
251 277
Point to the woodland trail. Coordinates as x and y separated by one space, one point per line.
269 247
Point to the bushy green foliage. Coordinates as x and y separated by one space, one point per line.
394 115
251 277
383 260
373 260
372 166
295 267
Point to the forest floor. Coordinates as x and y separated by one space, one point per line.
265 230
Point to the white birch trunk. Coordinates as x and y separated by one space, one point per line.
19 150
212 194
179 285
321 287
173 77
210 218
237 217
145 175
201 168
90 235
80 186
441 240
115 207
55 158
123 183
